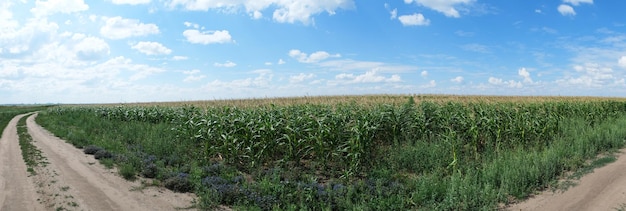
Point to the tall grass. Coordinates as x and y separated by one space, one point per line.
423 153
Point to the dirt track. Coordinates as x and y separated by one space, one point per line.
71 180
604 189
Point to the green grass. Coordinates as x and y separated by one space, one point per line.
31 155
427 155
8 112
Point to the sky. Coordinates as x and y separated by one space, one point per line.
122 51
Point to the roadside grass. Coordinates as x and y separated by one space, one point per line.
8 112
427 155
31 155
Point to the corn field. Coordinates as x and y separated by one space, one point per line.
349 142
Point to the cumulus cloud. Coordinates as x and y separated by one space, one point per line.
179 58
430 84
193 75
225 64
151 48
424 73
131 2
590 75
458 79
313 58
577 2
44 8
300 77
16 40
207 37
262 80
92 48
372 76
120 28
566 10
447 7
509 83
284 11
416 19
141 71
393 13
192 25
622 62
525 74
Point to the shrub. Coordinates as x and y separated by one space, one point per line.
91 149
101 154
127 171
149 170
179 183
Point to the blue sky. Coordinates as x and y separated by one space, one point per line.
75 51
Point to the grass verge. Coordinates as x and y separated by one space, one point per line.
31 155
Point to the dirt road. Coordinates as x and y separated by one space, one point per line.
17 192
604 189
71 180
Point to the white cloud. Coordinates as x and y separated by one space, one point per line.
458 79
131 2
281 61
284 11
509 83
300 77
16 40
193 75
525 74
566 10
538 11
313 58
348 64
394 13
44 8
225 64
141 71
120 28
91 48
417 19
256 15
424 73
462 33
590 75
577 2
208 37
151 48
371 76
179 58
622 62
431 84
474 47
263 79
190 24
447 7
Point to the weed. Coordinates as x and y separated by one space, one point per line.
127 171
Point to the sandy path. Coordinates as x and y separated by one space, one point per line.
71 180
17 191
604 189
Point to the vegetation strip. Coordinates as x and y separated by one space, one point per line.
31 155
422 154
